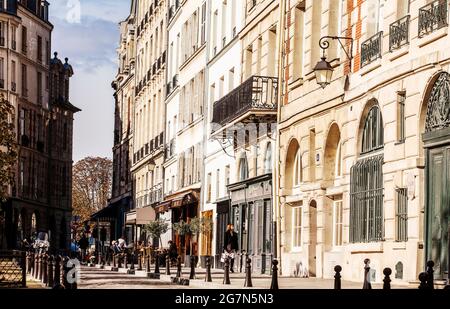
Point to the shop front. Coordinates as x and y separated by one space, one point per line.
251 214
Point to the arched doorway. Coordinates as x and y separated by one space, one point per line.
312 256
436 140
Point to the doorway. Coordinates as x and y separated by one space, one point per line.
312 257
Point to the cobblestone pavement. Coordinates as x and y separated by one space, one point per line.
94 278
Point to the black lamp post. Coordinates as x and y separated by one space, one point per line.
324 70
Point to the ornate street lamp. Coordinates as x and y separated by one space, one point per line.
324 70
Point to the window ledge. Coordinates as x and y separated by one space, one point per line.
376 247
430 38
295 84
371 67
395 54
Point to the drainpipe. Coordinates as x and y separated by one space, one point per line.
276 184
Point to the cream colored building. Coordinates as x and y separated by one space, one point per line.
122 199
149 112
185 114
359 178
225 20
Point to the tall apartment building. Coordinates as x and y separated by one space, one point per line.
364 162
185 114
245 118
225 21
38 87
149 114
124 86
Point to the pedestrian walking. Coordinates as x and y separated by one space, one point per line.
230 245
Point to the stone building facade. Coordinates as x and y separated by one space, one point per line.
364 161
38 87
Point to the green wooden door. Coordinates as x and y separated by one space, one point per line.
438 208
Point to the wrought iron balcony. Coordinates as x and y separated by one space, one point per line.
257 95
371 49
399 33
432 17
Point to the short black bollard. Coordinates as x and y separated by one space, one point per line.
115 258
337 277
274 284
248 273
167 265
45 270
35 267
131 270
119 261
139 261
108 258
157 263
208 269
192 275
50 271
41 261
57 276
147 264
367 285
179 274
64 273
387 280
430 272
240 261
423 277
28 262
226 274
125 260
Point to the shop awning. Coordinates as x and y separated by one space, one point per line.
179 200
145 215
131 218
106 214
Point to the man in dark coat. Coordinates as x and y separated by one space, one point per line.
231 244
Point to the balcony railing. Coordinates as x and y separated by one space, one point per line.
432 17
399 33
371 49
258 93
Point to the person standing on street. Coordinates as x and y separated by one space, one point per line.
231 244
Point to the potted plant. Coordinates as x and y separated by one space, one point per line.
199 226
157 228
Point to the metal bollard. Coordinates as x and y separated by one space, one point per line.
125 260
179 267
57 275
274 284
131 270
208 270
423 277
430 272
192 275
167 265
119 260
147 265
50 274
337 277
226 274
64 273
34 273
248 273
41 256
44 270
367 285
139 261
157 263
387 280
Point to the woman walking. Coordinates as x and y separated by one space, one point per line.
231 244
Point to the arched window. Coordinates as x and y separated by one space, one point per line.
366 184
268 159
243 168
298 169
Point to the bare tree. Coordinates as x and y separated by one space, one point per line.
91 186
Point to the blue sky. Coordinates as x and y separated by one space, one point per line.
87 32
